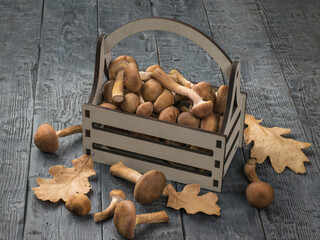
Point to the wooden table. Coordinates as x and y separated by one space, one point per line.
47 52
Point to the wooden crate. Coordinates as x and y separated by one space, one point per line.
111 136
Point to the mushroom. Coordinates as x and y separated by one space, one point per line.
187 118
116 197
169 114
200 107
131 77
130 103
116 71
145 109
210 123
180 79
147 74
221 101
165 100
151 90
79 204
107 92
259 194
204 89
149 186
125 218
109 105
46 138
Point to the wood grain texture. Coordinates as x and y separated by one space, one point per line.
294 29
196 65
297 196
143 48
64 82
18 68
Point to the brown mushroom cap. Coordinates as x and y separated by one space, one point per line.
109 105
107 92
169 114
145 109
131 77
119 193
46 139
119 64
204 89
221 101
150 187
130 103
165 99
202 109
125 218
210 123
79 204
260 194
151 90
152 67
187 118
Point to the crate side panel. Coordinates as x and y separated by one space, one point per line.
171 173
151 127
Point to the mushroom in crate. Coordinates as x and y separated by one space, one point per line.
46 138
148 187
125 218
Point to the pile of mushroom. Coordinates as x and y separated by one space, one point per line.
154 93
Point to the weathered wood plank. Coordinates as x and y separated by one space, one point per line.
18 68
293 28
196 65
143 48
294 213
65 76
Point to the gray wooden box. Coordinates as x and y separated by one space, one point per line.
111 136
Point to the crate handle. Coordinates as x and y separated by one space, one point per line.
106 43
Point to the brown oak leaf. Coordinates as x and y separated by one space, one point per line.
66 182
189 200
283 152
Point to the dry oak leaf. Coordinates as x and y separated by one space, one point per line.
66 182
283 152
189 200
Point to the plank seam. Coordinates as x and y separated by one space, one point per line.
286 81
34 82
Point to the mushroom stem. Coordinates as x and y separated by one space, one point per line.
250 170
180 79
117 196
155 217
69 131
118 88
200 108
122 171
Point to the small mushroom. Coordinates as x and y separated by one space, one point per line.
151 90
125 218
187 118
131 77
130 103
145 109
259 194
116 197
200 107
79 204
210 123
169 114
181 79
165 100
204 89
149 186
107 92
221 101
109 105
116 70
147 74
46 138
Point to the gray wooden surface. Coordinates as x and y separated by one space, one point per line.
47 51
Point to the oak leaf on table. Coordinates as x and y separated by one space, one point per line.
189 200
66 182
283 152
